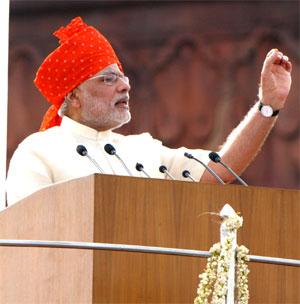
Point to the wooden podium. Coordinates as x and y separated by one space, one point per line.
150 212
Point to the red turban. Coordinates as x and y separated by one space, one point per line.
82 53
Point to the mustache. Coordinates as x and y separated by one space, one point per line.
124 98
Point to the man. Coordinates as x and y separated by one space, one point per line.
84 81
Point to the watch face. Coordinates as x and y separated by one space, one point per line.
266 111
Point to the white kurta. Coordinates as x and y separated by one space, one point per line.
48 157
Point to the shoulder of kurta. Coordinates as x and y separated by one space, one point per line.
42 137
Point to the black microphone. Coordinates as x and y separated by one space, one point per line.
215 157
110 149
163 169
211 171
187 174
81 150
140 167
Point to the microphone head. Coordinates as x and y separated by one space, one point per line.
215 157
188 155
162 169
186 173
110 149
139 167
81 150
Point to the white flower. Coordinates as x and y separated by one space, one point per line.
213 281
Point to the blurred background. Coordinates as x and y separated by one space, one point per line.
194 69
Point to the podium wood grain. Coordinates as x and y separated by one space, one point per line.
114 209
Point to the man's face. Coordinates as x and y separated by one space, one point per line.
104 106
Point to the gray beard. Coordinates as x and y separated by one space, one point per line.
110 122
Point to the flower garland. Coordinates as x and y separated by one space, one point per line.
242 274
213 281
220 287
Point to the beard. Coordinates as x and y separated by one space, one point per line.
103 119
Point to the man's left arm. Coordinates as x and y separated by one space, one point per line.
245 141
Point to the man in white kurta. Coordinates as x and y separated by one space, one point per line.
48 157
84 80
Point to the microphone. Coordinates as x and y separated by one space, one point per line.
140 167
215 157
211 171
187 174
110 149
163 169
81 150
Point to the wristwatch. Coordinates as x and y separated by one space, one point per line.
267 110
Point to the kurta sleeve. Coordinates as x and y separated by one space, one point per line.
176 162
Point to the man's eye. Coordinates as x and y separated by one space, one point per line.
109 78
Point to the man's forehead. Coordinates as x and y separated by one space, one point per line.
113 68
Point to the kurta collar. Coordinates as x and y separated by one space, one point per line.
71 125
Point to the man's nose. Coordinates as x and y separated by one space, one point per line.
123 85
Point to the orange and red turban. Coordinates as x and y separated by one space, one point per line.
82 53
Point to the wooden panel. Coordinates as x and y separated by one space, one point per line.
144 212
40 275
174 214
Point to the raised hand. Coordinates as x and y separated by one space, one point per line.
275 79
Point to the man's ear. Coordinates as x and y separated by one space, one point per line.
73 98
